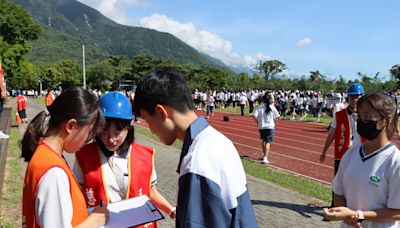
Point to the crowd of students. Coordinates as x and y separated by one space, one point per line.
212 188
288 103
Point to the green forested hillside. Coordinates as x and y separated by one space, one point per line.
68 23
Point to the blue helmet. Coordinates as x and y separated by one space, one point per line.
116 105
355 89
18 92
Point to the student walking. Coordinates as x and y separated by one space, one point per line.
114 167
212 188
51 195
367 182
21 106
210 104
265 116
343 127
243 102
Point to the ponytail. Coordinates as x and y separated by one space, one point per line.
267 101
34 132
72 103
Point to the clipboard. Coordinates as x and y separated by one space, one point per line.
132 212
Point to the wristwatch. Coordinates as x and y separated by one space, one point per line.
360 215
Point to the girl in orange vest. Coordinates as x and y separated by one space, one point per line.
114 168
51 195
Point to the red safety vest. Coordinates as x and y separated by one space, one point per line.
21 102
44 159
140 168
343 133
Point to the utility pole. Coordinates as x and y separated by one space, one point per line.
83 66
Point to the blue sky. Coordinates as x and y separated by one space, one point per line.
335 37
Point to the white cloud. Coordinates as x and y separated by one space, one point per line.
304 41
201 40
115 9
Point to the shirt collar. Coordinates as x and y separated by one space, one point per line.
194 129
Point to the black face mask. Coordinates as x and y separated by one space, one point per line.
368 129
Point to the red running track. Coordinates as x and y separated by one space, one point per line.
296 147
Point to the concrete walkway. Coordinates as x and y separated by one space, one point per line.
274 206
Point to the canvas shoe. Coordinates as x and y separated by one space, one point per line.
3 135
265 160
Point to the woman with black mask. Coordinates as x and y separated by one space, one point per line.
367 184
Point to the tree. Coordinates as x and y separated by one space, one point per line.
395 73
316 76
16 28
101 75
270 68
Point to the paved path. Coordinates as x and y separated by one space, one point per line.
274 206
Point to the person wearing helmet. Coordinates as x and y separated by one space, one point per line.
343 127
21 106
114 167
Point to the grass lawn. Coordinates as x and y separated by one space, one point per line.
281 178
11 203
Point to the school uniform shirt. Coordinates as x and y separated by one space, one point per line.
266 121
115 168
370 182
53 200
243 100
212 190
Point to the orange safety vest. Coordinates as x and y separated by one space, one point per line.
140 168
21 102
49 99
44 159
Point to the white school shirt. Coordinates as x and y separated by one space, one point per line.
53 203
370 182
266 121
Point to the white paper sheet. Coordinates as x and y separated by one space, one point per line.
132 212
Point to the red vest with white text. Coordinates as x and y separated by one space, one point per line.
140 168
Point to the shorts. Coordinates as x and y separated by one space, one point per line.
22 114
267 135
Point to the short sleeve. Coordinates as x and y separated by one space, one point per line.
394 182
53 204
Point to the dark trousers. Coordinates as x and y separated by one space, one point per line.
1 106
251 106
242 109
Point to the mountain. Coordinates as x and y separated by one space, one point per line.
67 24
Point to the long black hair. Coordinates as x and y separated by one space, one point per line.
267 100
72 103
